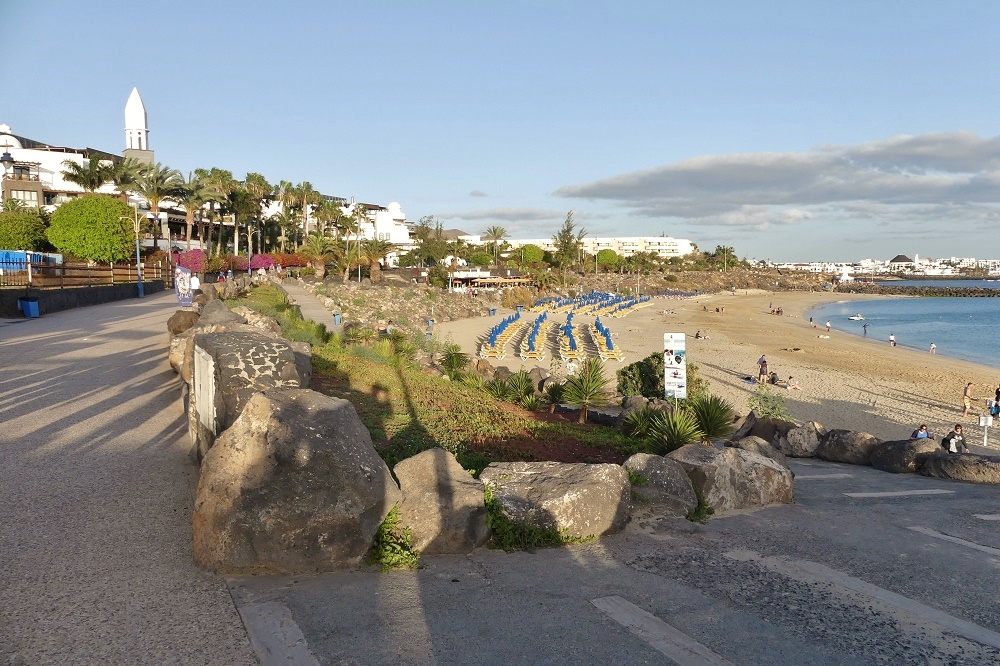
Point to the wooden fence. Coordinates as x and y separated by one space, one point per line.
61 276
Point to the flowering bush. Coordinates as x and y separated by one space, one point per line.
289 259
238 262
264 261
193 260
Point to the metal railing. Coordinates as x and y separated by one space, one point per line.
62 276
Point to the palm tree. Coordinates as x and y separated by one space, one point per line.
90 175
192 195
587 388
287 222
374 251
286 192
125 175
260 192
350 225
220 183
495 235
360 215
327 214
321 249
158 182
308 197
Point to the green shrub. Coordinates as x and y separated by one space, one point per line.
554 394
640 423
498 388
21 228
674 429
588 388
520 386
97 227
645 378
454 361
767 403
393 545
714 416
530 402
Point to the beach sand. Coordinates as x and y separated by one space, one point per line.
848 382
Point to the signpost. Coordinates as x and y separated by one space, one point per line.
986 421
674 366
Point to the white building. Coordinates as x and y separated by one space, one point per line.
663 246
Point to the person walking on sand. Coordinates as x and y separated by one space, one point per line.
892 340
827 325
967 399
933 349
762 372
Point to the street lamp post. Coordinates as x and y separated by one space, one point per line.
137 221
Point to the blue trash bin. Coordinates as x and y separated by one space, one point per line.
337 318
520 308
429 335
430 323
493 312
29 306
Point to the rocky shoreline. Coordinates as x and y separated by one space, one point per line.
935 291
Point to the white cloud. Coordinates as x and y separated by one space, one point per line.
901 178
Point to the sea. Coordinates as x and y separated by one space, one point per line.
965 328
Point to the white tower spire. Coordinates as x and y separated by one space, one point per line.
136 126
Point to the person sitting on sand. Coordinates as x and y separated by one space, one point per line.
793 384
920 433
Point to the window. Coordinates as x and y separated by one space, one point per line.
22 172
27 197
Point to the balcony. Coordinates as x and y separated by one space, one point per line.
31 177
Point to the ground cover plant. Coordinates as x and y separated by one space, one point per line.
407 410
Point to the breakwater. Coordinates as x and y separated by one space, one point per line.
942 291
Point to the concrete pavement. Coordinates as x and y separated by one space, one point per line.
95 502
309 305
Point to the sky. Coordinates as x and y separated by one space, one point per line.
790 131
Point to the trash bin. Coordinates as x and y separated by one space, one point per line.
430 322
337 318
429 335
28 305
520 307
493 312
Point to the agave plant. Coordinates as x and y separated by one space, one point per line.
454 360
714 416
383 348
531 402
674 429
404 349
554 394
640 422
367 335
587 388
473 380
520 386
497 388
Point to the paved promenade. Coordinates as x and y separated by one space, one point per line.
95 502
309 305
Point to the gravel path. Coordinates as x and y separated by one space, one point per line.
95 503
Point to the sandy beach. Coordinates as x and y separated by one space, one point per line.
848 382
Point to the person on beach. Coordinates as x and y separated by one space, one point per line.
920 433
865 328
762 372
967 399
892 340
998 393
954 441
811 322
793 384
827 325
933 349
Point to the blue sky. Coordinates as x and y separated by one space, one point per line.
789 130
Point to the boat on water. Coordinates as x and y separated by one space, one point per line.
856 317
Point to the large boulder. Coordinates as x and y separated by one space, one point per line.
258 320
666 485
963 467
731 478
633 403
903 456
442 504
538 377
216 312
229 369
758 445
768 428
847 446
294 486
800 441
578 499
181 321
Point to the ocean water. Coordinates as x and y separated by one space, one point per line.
965 328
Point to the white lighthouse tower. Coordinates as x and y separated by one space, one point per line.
136 130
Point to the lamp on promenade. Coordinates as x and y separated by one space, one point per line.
137 222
